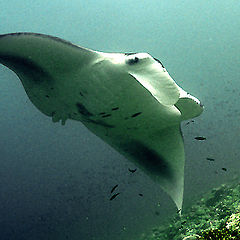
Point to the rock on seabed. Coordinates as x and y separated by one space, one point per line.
216 216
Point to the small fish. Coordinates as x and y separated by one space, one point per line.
140 194
210 159
114 196
200 138
179 210
189 122
132 170
114 188
157 213
224 169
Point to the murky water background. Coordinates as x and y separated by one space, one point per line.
55 181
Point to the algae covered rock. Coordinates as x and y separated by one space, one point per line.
234 222
216 216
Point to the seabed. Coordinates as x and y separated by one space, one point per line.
216 216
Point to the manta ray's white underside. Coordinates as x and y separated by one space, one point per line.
129 100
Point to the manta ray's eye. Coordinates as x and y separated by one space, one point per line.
132 61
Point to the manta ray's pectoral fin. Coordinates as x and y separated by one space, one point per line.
44 64
128 100
171 149
162 158
41 54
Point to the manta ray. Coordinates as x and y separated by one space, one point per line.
128 100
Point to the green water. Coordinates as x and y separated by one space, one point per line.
55 181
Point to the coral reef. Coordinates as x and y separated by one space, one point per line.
216 216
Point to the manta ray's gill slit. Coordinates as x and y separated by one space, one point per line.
107 115
104 114
136 114
133 115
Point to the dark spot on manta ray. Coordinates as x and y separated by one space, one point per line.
224 169
114 188
102 113
140 194
83 110
136 114
114 196
107 115
51 88
47 96
200 138
81 94
151 161
114 109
